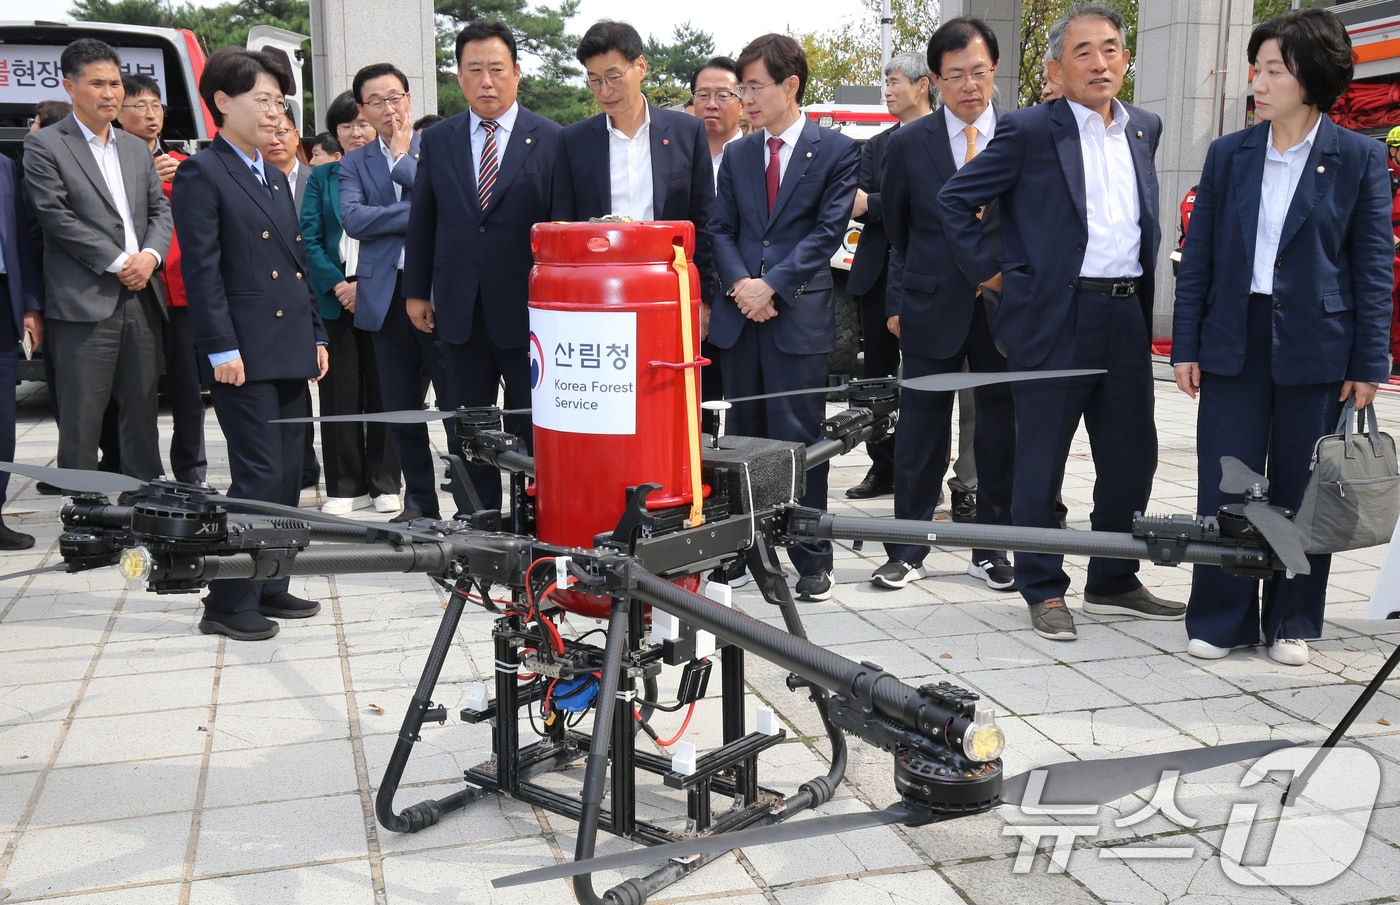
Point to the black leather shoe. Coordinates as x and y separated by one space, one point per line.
409 514
10 539
964 508
246 626
871 486
47 489
285 605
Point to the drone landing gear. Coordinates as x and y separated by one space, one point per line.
729 772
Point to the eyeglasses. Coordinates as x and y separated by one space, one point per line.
704 97
746 90
32 121
612 81
283 133
145 107
977 75
378 104
267 104
358 125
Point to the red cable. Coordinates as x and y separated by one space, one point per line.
666 743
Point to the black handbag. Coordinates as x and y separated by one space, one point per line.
1353 495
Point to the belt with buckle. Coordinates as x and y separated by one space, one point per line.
1119 289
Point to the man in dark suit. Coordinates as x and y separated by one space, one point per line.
256 326
487 176
21 300
941 321
634 159
96 195
907 96
784 198
1077 191
376 185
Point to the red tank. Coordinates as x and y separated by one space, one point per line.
614 341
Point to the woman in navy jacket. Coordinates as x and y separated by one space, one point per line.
1282 311
255 321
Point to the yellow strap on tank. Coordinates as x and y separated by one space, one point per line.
692 389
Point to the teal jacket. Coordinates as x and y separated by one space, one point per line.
320 235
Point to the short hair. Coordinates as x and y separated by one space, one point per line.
139 83
956 34
342 110
780 55
50 112
83 52
606 35
327 142
374 71
235 71
485 30
423 122
724 63
913 66
1315 48
1055 45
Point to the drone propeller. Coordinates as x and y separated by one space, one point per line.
1075 782
57 567
76 479
939 383
408 416
1278 531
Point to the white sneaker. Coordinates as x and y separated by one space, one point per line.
1204 650
387 502
1290 652
344 505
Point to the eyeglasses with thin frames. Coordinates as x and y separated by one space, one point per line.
379 103
704 97
267 104
612 81
144 107
746 90
977 75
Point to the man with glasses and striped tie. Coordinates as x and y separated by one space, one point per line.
485 178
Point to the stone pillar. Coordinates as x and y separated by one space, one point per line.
349 34
1004 16
1178 48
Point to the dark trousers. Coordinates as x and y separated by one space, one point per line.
187 457
754 365
402 351
1101 332
9 371
265 461
117 358
476 369
360 458
1272 429
924 439
881 349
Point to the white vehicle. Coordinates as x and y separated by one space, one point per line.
861 122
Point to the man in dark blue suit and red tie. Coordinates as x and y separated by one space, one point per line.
784 197
485 178
1077 191
21 300
634 159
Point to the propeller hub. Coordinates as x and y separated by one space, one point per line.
177 517
948 784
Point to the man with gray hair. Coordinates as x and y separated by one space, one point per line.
1077 191
908 97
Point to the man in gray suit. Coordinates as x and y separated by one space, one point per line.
107 226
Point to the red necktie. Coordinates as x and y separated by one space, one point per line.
775 168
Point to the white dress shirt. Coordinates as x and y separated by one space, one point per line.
629 170
110 165
789 136
714 161
986 126
1280 182
1110 194
505 124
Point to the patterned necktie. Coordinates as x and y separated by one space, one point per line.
775 169
486 177
971 133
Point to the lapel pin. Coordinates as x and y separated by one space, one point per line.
809 155
1321 170
1139 133
665 141
277 188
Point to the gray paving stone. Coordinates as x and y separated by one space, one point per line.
280 773
96 856
267 836
343 883
143 693
135 736
118 790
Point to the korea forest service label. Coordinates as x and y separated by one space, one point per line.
583 371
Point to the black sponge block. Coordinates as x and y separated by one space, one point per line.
754 474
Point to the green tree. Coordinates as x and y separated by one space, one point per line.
1267 9
850 53
551 84
670 67
1036 18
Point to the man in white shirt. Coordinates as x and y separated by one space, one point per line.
107 226
1077 190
